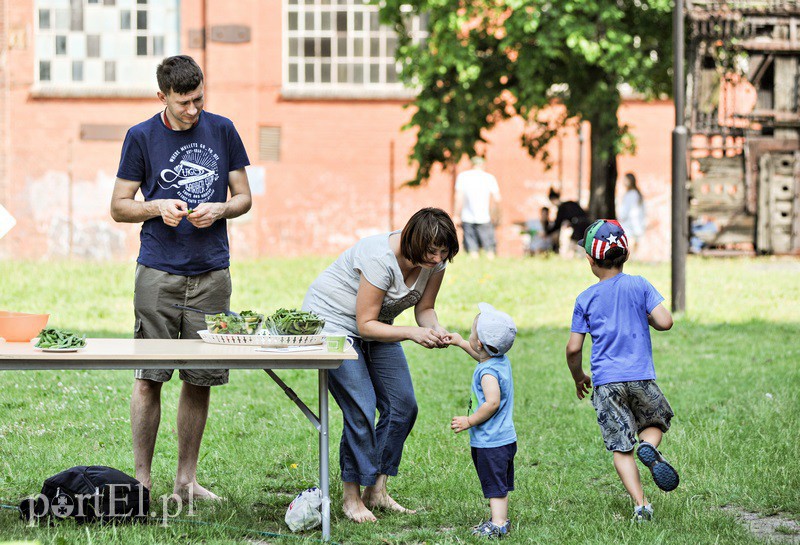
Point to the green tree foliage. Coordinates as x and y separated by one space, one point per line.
548 61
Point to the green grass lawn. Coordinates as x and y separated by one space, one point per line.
730 368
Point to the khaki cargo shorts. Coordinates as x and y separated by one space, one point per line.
155 293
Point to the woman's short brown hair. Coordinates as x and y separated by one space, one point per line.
428 227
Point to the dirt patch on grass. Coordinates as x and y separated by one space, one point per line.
776 528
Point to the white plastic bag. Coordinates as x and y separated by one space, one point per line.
304 511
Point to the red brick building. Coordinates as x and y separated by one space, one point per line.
311 87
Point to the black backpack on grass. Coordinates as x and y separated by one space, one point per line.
88 494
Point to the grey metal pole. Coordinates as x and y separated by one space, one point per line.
679 221
324 455
679 145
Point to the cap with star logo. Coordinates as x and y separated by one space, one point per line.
603 236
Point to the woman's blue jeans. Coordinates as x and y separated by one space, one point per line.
378 380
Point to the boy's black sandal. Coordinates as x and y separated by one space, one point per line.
664 475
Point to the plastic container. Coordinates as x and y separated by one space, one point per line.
235 325
21 326
277 331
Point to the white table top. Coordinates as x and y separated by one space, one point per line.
165 353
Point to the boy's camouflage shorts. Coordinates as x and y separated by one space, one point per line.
625 408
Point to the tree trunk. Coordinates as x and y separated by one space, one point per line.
603 174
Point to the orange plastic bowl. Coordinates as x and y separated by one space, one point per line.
20 326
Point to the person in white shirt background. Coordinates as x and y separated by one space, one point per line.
477 207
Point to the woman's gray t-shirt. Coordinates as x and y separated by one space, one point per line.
333 294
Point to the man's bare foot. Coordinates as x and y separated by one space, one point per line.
382 500
194 492
355 510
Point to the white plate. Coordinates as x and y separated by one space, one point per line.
58 349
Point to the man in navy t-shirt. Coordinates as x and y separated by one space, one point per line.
184 161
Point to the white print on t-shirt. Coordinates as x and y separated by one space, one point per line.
194 173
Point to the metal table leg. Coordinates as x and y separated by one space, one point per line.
324 453
321 423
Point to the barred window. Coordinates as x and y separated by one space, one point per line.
103 47
339 48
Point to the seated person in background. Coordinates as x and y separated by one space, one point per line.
571 213
540 244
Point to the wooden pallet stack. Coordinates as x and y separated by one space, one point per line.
779 203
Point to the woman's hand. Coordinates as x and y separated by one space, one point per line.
443 335
427 337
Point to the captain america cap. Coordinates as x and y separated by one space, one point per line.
603 236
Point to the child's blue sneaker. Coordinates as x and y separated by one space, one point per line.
664 475
642 513
490 530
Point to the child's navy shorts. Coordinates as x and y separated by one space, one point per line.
495 468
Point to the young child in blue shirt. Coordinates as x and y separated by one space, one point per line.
616 311
492 437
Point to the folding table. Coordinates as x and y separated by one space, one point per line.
196 354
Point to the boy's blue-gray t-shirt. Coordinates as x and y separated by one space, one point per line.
192 166
614 312
499 429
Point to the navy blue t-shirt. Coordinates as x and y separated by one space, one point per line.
615 312
192 166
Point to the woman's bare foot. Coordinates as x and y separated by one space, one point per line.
384 501
353 507
356 511
193 492
376 497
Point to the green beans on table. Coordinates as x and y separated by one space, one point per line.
51 337
294 322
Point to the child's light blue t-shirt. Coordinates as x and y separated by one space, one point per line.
614 312
499 429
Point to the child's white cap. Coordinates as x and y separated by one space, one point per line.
495 329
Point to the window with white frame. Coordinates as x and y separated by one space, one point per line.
339 48
86 47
